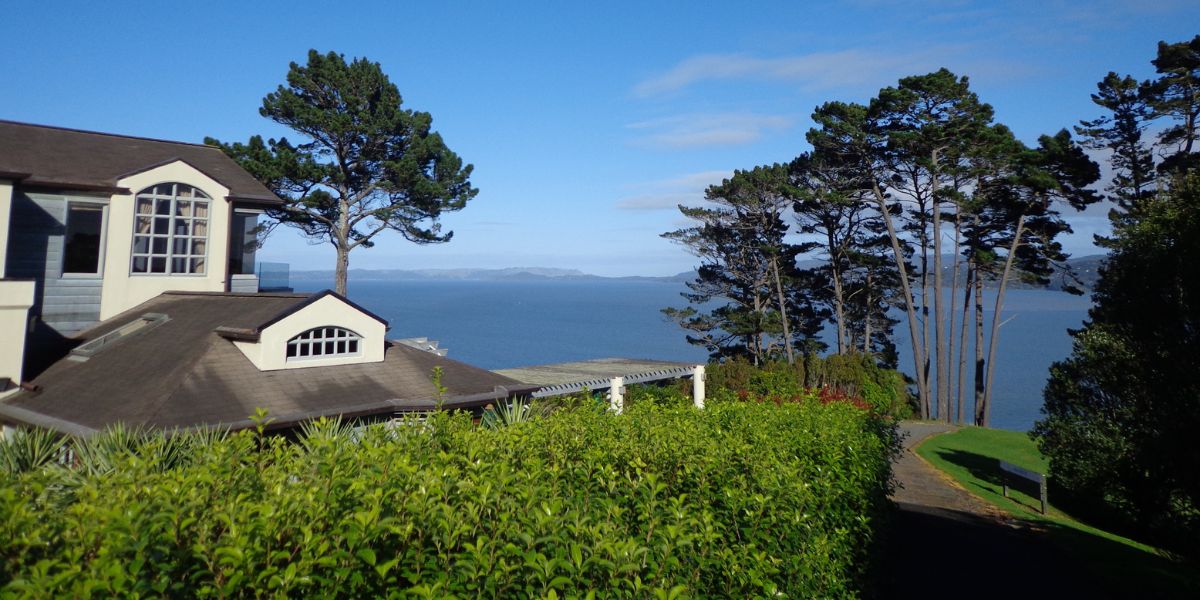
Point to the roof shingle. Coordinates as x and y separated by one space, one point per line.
57 157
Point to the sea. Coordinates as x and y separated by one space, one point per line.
505 324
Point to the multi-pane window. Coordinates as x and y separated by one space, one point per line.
323 342
170 232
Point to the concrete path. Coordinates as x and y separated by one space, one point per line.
948 543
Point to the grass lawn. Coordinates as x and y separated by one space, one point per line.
1131 568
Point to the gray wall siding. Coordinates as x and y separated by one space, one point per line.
35 247
244 284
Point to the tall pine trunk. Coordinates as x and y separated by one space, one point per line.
343 267
995 341
342 244
839 301
906 289
758 311
783 316
939 326
950 328
867 316
978 344
925 282
962 342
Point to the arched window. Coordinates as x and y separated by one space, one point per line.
322 342
170 230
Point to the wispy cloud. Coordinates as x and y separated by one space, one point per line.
665 194
819 70
708 129
852 69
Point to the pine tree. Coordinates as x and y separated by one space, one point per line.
747 264
367 165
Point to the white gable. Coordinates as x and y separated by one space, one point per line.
123 289
329 312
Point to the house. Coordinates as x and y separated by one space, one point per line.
128 293
92 224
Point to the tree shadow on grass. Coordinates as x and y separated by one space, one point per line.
987 470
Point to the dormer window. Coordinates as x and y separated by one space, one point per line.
324 342
170 232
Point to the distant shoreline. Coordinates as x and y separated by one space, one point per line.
521 274
1086 269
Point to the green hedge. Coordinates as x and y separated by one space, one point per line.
738 500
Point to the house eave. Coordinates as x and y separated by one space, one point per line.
256 200
54 184
31 418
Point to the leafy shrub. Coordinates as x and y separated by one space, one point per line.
738 500
674 393
855 375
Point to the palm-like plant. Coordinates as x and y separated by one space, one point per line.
324 431
515 411
25 450
101 453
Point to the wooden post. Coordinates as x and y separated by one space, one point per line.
616 395
698 385
1042 493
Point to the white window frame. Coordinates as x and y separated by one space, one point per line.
170 236
319 337
62 258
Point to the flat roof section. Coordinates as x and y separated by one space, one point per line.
594 375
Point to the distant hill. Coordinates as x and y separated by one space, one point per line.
1086 268
1086 273
508 274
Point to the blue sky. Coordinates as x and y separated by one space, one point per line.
586 123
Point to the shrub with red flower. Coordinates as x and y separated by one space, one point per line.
829 395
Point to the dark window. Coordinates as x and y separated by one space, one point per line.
243 243
81 254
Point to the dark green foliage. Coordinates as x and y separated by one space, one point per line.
858 283
1175 95
739 500
748 270
1122 413
1120 132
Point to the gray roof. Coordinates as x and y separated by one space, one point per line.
39 155
183 374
